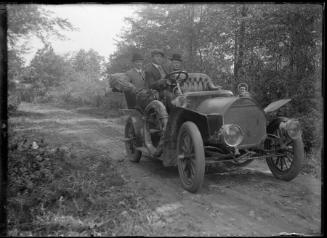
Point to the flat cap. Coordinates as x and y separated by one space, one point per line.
137 56
177 57
157 52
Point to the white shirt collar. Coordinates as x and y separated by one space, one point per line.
156 65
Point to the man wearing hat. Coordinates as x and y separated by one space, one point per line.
176 61
132 81
136 74
155 72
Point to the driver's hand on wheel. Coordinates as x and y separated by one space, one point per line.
169 82
164 82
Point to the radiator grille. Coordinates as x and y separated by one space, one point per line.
250 118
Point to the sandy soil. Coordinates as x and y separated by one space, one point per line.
246 202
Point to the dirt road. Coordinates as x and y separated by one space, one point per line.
247 202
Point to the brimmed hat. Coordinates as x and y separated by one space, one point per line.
157 52
177 57
137 56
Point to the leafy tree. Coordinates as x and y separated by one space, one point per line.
81 78
88 62
47 68
25 21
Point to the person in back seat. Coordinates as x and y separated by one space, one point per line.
136 74
131 82
136 77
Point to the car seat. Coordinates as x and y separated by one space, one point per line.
198 82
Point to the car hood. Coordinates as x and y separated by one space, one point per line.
242 111
215 102
216 105
205 101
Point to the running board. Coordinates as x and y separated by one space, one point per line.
142 149
152 131
212 160
126 139
146 152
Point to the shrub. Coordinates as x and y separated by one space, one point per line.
113 101
13 102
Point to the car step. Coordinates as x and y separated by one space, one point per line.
153 131
142 149
126 139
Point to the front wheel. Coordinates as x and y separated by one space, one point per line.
191 157
287 165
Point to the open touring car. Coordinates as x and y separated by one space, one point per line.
208 125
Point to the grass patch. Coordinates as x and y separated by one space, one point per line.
99 112
312 164
61 187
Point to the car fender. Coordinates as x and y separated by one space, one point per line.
176 118
274 124
276 105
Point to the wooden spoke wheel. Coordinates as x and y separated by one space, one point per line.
130 143
287 165
191 157
156 122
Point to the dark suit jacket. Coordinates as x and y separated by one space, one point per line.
152 76
137 79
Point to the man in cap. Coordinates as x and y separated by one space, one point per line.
155 77
155 72
176 62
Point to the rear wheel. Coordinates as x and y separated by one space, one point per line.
191 157
156 122
130 143
288 164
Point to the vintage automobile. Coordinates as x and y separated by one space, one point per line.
207 126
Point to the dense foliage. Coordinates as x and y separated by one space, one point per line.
274 48
73 78
24 22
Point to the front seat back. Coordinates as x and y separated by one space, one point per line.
198 82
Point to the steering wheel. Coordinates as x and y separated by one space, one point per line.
178 79
242 88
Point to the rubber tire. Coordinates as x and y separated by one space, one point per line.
160 109
136 156
197 141
296 166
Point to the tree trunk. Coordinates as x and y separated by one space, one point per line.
241 46
201 60
191 36
235 56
